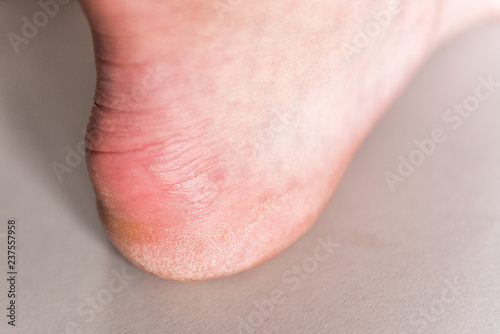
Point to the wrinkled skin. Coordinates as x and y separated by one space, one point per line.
219 134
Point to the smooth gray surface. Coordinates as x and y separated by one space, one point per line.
398 251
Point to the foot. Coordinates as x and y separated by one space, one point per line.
221 128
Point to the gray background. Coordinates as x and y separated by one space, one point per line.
398 251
